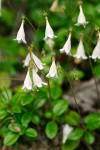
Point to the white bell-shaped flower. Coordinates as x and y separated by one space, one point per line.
53 70
21 34
36 60
67 47
96 51
80 53
66 131
81 18
49 31
27 82
37 80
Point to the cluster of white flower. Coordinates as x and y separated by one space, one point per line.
37 64
33 62
80 53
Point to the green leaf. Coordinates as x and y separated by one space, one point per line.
71 145
60 107
51 129
56 91
3 114
92 121
72 118
39 103
10 138
26 118
41 98
16 109
89 138
27 99
76 134
96 70
31 132
48 114
36 119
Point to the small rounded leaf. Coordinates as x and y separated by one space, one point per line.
89 138
10 138
76 134
51 129
60 107
31 132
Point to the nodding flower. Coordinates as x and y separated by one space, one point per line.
27 82
53 70
80 53
81 18
21 34
67 46
49 31
37 80
96 51
66 131
36 60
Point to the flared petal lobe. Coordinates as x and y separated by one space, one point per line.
21 34
80 53
67 47
52 71
49 31
27 82
66 131
36 60
96 51
81 18
37 80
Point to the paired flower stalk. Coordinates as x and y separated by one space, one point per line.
36 63
80 53
33 62
32 78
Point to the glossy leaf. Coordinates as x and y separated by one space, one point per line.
60 107
51 129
